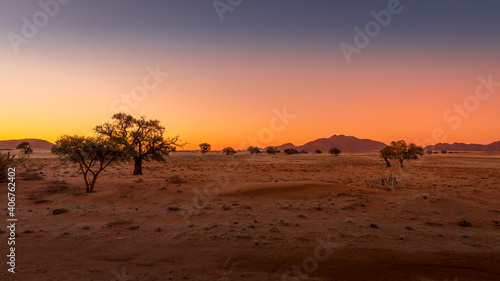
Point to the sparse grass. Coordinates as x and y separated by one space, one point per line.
176 180
31 176
386 181
56 186
118 222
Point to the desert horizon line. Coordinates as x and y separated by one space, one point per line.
193 146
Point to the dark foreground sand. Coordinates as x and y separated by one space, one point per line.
217 217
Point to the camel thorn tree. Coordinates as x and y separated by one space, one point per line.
143 137
93 155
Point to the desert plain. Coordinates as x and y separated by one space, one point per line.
264 217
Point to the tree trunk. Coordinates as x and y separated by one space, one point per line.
387 162
91 185
138 166
87 184
401 162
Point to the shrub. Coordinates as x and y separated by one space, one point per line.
5 163
291 151
334 151
205 147
303 152
229 151
272 150
387 181
253 150
317 151
428 152
444 151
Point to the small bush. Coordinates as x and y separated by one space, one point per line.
272 150
464 223
176 180
59 211
229 151
317 151
5 163
253 150
335 151
205 147
291 151
387 182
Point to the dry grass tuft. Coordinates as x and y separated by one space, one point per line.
386 181
228 270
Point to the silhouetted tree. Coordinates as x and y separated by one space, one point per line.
334 151
144 137
291 151
387 153
205 147
400 151
93 155
272 150
25 147
253 150
229 151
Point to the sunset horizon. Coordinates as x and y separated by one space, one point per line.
371 73
243 140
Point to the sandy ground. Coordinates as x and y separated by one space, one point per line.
281 217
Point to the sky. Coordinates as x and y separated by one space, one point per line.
253 72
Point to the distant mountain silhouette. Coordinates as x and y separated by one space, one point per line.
342 142
36 144
494 146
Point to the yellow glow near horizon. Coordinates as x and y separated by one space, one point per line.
210 99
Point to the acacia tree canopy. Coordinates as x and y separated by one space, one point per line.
26 147
205 147
400 151
144 138
93 155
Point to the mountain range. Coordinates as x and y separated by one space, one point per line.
342 142
36 144
457 146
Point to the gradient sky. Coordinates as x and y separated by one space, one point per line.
227 77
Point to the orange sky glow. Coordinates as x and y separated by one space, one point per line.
226 94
